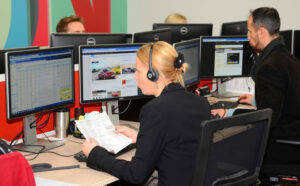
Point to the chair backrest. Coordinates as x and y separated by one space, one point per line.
230 150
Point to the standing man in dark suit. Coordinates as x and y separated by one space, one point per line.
277 86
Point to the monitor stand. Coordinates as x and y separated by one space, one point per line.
31 143
111 108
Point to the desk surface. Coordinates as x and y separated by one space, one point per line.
81 176
213 100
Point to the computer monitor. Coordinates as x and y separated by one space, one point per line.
296 44
2 55
182 32
191 53
153 36
225 56
287 37
36 81
106 73
234 28
76 39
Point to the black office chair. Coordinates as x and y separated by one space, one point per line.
230 150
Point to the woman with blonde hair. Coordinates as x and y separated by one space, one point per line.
169 124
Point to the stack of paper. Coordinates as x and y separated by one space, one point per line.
101 128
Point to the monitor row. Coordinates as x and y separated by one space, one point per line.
43 79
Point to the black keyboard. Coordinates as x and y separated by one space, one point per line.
82 158
224 105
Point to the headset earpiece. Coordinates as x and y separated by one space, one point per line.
152 74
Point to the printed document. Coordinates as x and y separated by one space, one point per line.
101 128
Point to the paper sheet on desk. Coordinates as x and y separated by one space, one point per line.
101 128
240 85
46 182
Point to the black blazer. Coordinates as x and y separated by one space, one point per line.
277 86
167 140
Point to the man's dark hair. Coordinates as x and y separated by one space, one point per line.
268 18
62 25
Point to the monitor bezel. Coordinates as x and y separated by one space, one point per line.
158 31
191 83
290 33
7 79
230 24
3 51
52 35
296 45
81 47
174 28
75 43
220 37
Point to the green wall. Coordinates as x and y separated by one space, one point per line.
118 16
62 8
58 10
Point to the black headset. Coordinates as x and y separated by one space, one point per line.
152 74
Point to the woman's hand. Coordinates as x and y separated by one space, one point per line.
126 131
88 146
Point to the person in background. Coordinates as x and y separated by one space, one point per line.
71 24
176 18
277 86
169 124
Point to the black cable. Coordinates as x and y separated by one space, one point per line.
223 80
125 108
40 126
60 154
117 107
75 141
224 111
44 134
36 120
36 154
22 131
16 137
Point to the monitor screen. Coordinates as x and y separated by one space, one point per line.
234 28
106 72
76 39
296 49
153 36
38 80
287 37
182 32
225 56
2 55
190 50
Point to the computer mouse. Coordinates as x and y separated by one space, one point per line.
238 102
216 116
41 166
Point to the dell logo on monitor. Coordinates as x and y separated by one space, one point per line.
91 41
156 37
184 30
